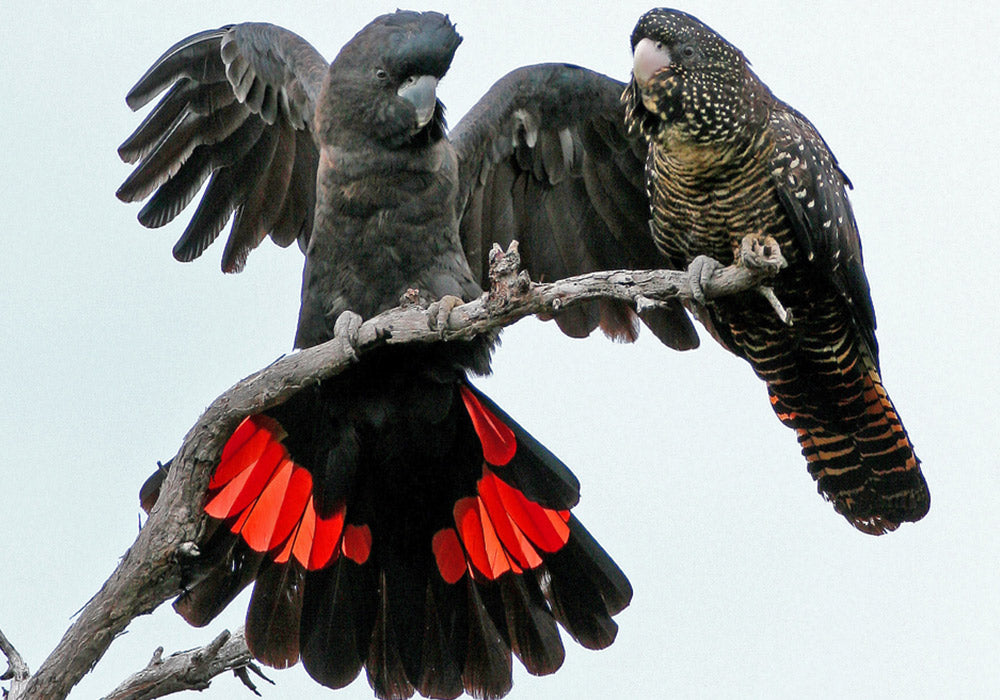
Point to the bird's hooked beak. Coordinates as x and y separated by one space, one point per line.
421 92
648 58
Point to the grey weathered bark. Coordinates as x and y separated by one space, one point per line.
190 670
149 572
17 670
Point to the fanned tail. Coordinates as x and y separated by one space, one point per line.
438 553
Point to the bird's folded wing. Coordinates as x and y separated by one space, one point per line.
813 190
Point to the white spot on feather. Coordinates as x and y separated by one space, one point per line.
524 118
566 142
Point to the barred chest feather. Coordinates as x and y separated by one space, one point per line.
706 198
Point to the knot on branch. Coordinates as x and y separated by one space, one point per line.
507 280
191 670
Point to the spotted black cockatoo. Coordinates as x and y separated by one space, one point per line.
726 159
394 518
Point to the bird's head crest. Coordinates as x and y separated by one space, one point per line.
382 84
409 43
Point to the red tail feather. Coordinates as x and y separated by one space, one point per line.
357 544
449 555
499 530
269 500
499 443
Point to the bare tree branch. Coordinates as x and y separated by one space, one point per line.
149 572
17 670
190 670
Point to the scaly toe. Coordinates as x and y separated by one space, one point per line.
700 273
347 326
439 312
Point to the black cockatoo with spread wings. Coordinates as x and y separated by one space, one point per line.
727 159
394 518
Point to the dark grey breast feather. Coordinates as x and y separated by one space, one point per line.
544 159
238 108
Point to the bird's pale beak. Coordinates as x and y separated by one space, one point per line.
421 92
648 58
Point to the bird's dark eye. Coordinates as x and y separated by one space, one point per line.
381 74
688 51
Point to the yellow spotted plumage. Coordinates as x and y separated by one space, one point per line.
727 159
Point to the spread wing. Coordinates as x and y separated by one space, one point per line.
544 159
813 190
238 108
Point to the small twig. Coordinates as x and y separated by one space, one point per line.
783 314
17 670
243 673
190 670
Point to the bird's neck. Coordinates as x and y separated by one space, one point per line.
385 223
723 110
702 162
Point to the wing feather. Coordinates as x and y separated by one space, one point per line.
813 190
236 100
544 158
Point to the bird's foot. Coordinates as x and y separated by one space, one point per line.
758 252
439 312
700 273
347 326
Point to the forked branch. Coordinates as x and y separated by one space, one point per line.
150 571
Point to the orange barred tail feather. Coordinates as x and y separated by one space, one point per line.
446 545
863 462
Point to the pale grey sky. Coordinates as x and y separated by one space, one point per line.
746 582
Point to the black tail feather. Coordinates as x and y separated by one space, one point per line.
272 628
224 568
488 670
534 635
336 625
442 651
586 588
149 492
406 595
386 672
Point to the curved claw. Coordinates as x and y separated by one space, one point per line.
700 273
